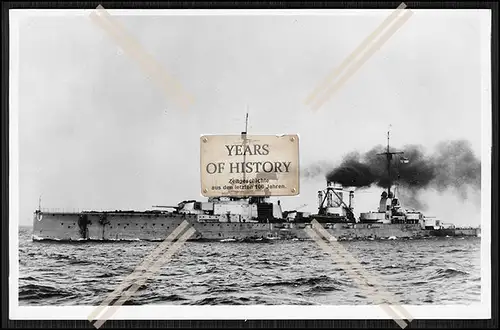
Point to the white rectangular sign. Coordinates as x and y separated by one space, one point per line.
249 165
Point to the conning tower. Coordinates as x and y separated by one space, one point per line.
390 210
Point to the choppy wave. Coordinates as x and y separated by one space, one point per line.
456 250
448 273
231 300
246 273
301 281
36 291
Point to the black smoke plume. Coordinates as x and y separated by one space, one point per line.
452 165
353 172
457 167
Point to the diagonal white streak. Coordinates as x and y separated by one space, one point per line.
343 253
139 269
356 277
154 269
324 84
345 260
147 63
358 63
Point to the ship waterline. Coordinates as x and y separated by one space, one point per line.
124 226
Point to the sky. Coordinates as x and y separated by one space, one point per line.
96 133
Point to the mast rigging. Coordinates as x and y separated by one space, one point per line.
388 154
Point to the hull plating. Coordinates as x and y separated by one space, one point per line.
156 227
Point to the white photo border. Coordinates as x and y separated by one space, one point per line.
472 311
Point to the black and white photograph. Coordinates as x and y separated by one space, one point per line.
250 164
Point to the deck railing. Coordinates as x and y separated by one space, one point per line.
60 210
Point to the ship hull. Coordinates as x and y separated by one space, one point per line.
457 232
124 226
116 226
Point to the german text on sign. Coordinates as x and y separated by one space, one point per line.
253 165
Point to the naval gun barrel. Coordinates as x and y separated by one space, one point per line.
166 206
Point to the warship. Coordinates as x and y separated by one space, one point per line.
251 218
